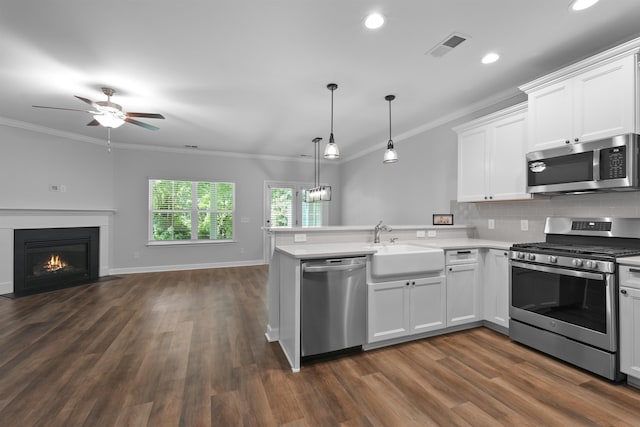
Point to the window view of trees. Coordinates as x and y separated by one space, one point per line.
281 204
189 210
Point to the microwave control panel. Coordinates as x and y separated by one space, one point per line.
613 163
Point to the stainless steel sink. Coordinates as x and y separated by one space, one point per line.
401 259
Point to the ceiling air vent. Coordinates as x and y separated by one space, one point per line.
452 41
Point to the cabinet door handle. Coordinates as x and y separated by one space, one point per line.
577 139
567 141
623 291
463 252
634 270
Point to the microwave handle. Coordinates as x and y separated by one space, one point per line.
596 164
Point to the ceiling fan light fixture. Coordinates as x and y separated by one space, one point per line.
331 151
109 120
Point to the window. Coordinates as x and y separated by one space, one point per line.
286 206
190 210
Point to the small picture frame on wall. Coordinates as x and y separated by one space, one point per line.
442 219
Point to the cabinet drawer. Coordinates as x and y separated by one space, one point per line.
461 256
630 276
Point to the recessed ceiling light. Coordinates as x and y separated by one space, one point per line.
490 58
373 21
582 4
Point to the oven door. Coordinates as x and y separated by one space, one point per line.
576 304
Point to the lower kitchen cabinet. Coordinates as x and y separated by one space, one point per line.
405 307
496 287
629 304
464 293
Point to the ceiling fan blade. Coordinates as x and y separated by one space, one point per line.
144 125
93 122
147 115
66 109
88 101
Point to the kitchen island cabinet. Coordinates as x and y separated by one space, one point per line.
405 307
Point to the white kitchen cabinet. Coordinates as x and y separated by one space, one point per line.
464 292
405 307
629 306
496 287
585 105
491 157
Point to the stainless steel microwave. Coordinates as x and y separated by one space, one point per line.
609 164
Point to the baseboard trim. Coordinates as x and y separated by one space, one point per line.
178 267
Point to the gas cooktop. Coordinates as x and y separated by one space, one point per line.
581 249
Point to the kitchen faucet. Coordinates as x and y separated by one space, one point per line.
376 231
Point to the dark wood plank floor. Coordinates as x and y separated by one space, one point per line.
188 349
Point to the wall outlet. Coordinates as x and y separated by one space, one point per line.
524 225
299 237
491 224
244 220
420 233
432 233
136 255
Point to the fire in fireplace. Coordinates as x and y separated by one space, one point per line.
54 258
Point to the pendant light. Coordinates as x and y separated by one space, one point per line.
390 156
319 193
331 150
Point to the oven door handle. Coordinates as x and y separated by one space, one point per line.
561 271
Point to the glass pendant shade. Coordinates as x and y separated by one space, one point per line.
331 151
108 120
320 193
390 156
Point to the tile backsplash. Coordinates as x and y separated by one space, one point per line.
508 216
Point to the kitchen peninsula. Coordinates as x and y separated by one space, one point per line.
293 245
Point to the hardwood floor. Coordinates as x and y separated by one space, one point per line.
188 349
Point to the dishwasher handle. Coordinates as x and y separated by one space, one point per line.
337 265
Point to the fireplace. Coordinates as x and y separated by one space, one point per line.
46 259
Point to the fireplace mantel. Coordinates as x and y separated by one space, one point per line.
12 219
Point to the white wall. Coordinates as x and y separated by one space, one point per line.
134 168
421 183
31 161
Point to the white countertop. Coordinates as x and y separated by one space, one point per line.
321 250
632 260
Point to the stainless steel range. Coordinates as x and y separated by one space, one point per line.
564 290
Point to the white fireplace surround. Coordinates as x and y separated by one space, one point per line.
12 219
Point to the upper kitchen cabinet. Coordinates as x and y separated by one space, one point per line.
491 156
590 100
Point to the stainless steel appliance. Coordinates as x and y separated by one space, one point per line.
334 302
605 165
563 291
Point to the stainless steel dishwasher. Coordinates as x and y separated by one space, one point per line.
333 308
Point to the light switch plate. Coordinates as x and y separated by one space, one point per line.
524 225
431 233
420 233
299 237
491 224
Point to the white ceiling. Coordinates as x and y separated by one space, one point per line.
250 76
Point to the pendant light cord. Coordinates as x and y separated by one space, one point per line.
389 120
331 136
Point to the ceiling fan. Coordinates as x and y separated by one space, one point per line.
109 114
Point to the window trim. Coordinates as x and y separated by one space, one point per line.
194 212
